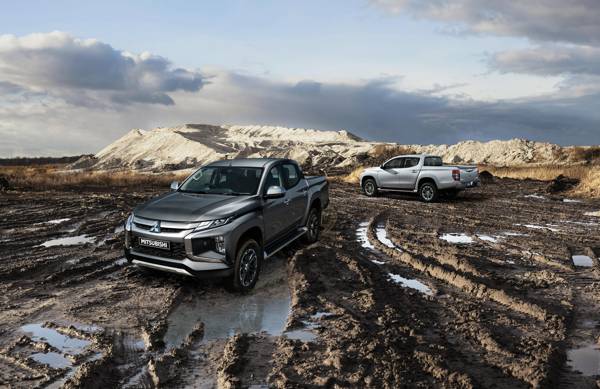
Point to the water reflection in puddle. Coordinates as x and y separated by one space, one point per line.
383 238
361 236
582 261
411 283
488 238
69 241
538 227
535 196
585 359
265 310
302 334
457 238
64 343
58 221
52 359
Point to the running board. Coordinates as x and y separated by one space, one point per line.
300 232
398 190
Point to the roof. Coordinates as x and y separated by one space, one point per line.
416 155
246 162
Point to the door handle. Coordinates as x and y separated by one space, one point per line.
414 171
286 201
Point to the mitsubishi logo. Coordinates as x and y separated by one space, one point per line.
156 227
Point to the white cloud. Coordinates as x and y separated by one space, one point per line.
574 21
81 70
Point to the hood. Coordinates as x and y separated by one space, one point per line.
189 207
371 170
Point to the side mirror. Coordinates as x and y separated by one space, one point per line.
174 185
275 192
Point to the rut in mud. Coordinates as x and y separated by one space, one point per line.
498 288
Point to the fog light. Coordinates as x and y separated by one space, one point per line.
220 244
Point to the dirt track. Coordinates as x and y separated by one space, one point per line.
380 301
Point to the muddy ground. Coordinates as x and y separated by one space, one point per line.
480 291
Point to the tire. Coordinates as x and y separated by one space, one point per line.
313 223
428 192
369 187
248 258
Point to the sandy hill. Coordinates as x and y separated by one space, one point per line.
192 145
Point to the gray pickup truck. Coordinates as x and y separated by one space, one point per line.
423 174
226 218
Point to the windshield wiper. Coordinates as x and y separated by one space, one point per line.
193 191
234 194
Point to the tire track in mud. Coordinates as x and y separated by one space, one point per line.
487 341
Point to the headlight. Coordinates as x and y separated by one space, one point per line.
128 222
212 224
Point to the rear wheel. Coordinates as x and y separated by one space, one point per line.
370 187
246 268
313 224
428 192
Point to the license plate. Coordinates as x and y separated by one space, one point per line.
157 244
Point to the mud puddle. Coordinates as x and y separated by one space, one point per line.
361 236
582 261
381 234
585 360
64 343
265 310
538 227
69 241
411 283
488 238
457 238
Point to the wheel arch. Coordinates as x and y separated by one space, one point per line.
251 233
427 179
366 177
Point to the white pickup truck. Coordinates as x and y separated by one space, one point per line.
423 174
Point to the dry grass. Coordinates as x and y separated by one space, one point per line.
588 175
48 177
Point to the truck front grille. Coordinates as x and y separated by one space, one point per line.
177 250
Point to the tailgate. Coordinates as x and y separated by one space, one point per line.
468 173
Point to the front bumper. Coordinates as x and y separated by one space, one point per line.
180 258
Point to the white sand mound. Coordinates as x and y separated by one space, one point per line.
192 145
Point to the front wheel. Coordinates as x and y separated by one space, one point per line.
370 187
428 192
247 264
313 225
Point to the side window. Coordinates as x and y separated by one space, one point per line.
290 174
433 161
396 163
410 162
273 178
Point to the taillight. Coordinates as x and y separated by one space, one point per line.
456 174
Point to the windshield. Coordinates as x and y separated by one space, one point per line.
223 180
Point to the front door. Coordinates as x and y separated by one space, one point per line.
276 216
406 177
388 175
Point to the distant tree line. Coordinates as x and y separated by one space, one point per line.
25 161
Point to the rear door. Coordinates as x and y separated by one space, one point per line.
296 196
388 176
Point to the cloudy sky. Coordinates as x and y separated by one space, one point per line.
74 76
